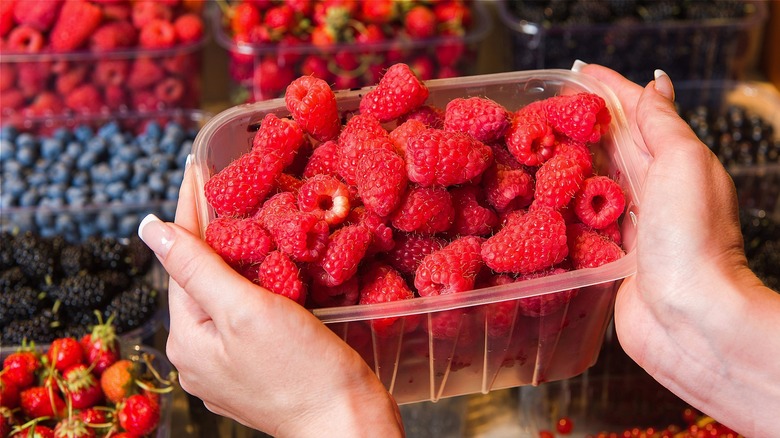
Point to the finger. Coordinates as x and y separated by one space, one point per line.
186 208
626 91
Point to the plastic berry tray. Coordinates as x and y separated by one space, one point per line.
261 71
135 353
416 366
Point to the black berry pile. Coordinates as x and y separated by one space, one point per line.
761 233
51 288
91 180
633 37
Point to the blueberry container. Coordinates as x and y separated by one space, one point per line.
683 42
416 365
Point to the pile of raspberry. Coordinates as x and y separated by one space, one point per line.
403 199
348 44
63 62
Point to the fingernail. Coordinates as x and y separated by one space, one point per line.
156 234
578 65
188 162
663 84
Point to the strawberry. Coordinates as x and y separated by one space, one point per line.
188 28
326 197
82 387
312 104
397 93
32 430
381 180
20 367
9 392
480 117
378 11
73 427
95 417
426 210
118 381
451 269
238 240
77 21
64 353
138 415
244 16
530 138
42 401
6 421
281 275
445 158
420 22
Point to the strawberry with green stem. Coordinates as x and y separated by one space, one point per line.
101 345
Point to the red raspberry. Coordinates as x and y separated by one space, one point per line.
323 160
451 269
583 117
281 275
239 188
530 138
613 232
312 104
382 238
302 236
85 99
157 34
279 137
381 180
472 217
397 93
146 11
527 243
270 79
445 158
557 181
383 284
546 304
346 248
326 197
410 249
77 21
113 35
288 183
13 100
361 133
600 202
45 104
449 325
402 133
189 28
499 316
431 116
281 203
68 80
144 72
579 152
25 39
245 16
39 15
7 21
345 294
170 91
426 210
589 248
239 241
507 188
480 117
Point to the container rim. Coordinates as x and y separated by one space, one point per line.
72 119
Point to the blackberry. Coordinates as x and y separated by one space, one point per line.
11 278
34 255
139 256
108 252
761 234
75 258
115 281
38 329
19 303
6 250
83 290
132 307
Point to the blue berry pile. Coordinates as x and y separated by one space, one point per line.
91 180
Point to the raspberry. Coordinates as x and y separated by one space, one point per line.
361 133
189 28
279 204
239 188
146 11
238 241
279 137
25 39
579 152
144 72
613 232
528 243
77 21
426 210
302 236
86 99
402 133
445 158
546 304
410 249
280 275
450 325
346 248
600 202
480 117
269 79
288 183
45 104
382 284
382 239
113 35
397 93
157 34
312 104
530 138
451 269
472 217
6 17
326 197
381 180
39 15
431 116
170 91
499 316
557 181
589 249
507 188
583 117
323 160
69 80
345 294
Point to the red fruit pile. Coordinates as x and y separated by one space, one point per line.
405 199
345 43
79 388
62 62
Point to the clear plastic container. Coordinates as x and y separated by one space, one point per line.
261 71
416 366
685 49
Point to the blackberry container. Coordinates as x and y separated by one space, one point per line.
416 366
686 48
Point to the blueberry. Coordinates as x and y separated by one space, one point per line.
172 193
44 218
87 229
83 133
66 226
74 149
26 155
63 134
14 186
140 195
37 179
8 132
157 183
105 221
12 167
128 225
127 153
115 189
29 198
109 129
175 177
121 171
140 176
148 145
153 130
7 150
101 173
59 172
76 195
7 201
86 160
80 178
52 148
97 145
161 162
184 151
53 191
25 139
100 197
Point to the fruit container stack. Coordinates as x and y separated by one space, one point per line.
348 44
64 58
383 208
701 40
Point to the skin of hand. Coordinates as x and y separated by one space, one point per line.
694 316
255 356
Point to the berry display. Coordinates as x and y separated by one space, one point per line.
113 281
58 60
58 183
761 234
347 44
72 399
694 40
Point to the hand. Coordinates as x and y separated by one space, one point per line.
694 315
255 356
